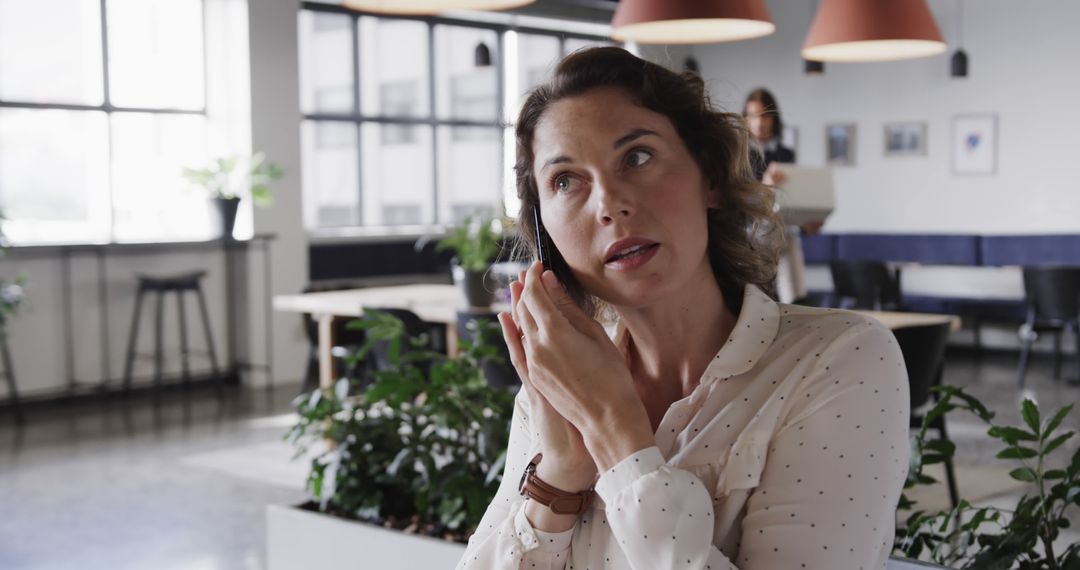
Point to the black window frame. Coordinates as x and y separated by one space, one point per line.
109 109
431 120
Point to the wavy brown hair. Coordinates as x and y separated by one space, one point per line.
745 234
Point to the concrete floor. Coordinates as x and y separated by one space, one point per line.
100 485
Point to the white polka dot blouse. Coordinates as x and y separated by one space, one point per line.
790 453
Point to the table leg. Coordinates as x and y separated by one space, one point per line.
451 340
326 343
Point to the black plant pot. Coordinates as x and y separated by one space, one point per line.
478 286
227 207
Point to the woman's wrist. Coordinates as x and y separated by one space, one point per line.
619 437
565 477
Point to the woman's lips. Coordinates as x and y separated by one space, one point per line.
635 259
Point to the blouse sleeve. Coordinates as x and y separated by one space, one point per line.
505 539
828 493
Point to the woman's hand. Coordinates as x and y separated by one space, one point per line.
574 365
567 464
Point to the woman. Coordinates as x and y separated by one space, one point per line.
762 115
717 428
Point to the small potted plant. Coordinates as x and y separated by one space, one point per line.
407 462
227 180
476 244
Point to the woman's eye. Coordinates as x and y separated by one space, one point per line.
638 157
562 183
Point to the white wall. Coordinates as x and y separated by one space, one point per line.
1023 67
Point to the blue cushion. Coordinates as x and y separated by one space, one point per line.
1031 250
819 248
928 249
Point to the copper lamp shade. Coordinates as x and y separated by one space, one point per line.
690 21
872 30
429 7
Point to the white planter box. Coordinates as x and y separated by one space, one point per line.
301 540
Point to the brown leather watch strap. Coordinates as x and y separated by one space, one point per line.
560 502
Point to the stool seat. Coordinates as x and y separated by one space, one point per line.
175 282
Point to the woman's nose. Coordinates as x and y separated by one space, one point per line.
614 202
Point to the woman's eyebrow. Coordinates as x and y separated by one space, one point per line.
625 139
632 135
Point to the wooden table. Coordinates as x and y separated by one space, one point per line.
895 320
432 303
440 304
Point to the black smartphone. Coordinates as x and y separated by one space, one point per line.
543 242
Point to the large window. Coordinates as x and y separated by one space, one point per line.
101 104
405 118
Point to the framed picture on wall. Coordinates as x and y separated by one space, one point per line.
974 144
840 145
905 139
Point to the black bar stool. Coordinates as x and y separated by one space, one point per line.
160 285
9 373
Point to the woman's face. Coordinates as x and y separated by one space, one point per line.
761 124
613 176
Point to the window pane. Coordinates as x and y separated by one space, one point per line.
331 174
151 201
537 56
50 52
470 171
394 69
574 44
54 175
464 90
156 53
397 178
326 63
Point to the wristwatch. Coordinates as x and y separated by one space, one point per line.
560 502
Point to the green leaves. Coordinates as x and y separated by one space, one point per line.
1030 413
987 537
1025 474
222 178
423 441
476 242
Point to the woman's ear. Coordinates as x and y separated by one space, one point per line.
712 198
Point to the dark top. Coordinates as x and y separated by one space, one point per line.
772 153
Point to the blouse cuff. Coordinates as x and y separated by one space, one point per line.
531 538
627 471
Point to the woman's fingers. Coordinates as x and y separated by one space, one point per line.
512 336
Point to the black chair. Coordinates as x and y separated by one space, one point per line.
470 325
160 286
346 341
1053 305
923 348
9 373
865 285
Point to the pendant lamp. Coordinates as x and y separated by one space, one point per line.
872 30
690 21
430 7
958 64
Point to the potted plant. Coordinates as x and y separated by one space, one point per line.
989 537
226 180
408 461
476 244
